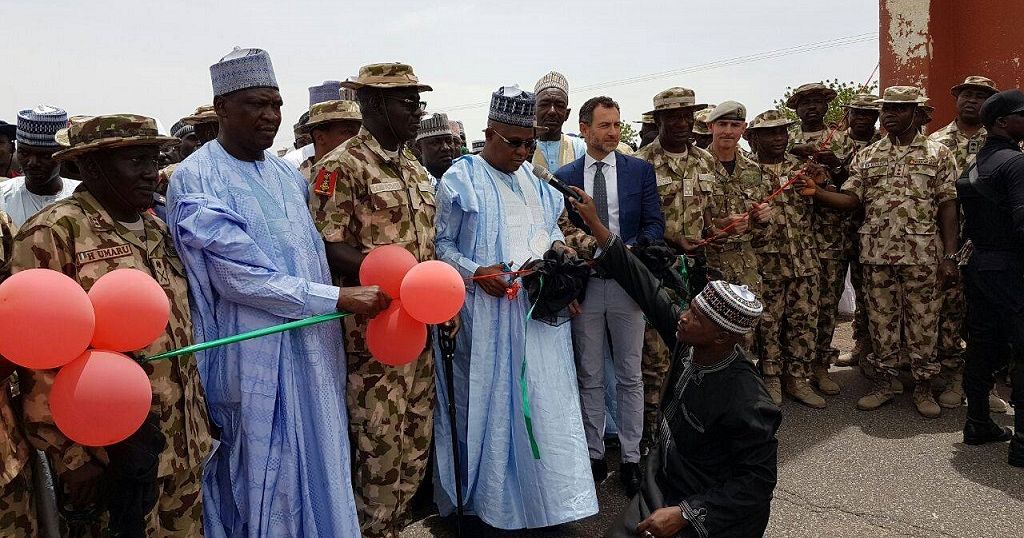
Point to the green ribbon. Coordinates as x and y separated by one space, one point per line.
527 414
187 350
684 272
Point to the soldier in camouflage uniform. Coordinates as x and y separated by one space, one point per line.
787 255
204 125
17 509
734 196
102 227
685 175
701 133
330 124
861 117
964 136
370 192
903 182
811 139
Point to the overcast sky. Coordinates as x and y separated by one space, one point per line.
153 58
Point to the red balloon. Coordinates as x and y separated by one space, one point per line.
386 266
48 320
433 292
100 398
131 308
394 337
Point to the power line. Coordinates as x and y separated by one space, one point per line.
738 60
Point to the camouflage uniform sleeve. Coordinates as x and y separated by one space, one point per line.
39 246
7 230
333 200
855 184
945 177
583 244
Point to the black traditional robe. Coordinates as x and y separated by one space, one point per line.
717 456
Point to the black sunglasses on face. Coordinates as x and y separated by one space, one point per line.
517 143
410 103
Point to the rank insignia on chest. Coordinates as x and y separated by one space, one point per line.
899 170
688 186
325 182
973 146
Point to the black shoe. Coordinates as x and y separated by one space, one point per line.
1016 454
629 473
600 470
977 432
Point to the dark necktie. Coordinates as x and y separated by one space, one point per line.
601 193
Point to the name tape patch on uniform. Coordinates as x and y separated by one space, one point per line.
325 182
100 254
388 186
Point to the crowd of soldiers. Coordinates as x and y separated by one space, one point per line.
811 202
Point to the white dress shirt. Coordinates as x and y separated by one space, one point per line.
611 182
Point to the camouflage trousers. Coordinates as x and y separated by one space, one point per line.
861 337
738 264
654 366
903 317
950 348
788 325
17 508
178 511
832 280
391 419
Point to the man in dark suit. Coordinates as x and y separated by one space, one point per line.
626 194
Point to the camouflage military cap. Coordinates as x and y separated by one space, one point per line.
770 118
729 110
700 121
810 89
203 114
903 94
975 82
62 135
386 75
112 131
863 101
676 97
329 111
646 118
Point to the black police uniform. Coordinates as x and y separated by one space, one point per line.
992 199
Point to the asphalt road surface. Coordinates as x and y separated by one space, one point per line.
847 473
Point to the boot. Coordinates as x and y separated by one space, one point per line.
1015 456
773 384
825 383
883 392
953 395
979 432
996 404
800 390
925 402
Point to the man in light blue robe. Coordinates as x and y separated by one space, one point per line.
239 219
492 208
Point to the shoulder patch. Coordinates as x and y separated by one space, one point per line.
325 182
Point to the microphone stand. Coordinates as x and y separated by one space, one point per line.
447 344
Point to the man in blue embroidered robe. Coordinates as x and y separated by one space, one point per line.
493 209
239 219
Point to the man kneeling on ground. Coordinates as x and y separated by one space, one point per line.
714 467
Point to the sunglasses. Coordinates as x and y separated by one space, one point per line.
410 103
529 143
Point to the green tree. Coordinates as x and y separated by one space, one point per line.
630 136
845 91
